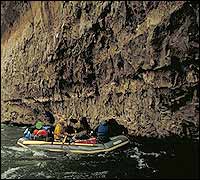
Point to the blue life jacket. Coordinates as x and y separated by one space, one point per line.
49 129
27 134
46 128
102 129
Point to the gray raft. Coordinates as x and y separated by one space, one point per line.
80 148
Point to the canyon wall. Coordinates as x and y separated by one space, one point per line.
137 61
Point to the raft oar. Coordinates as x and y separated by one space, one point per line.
65 137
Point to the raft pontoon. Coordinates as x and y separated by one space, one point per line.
75 147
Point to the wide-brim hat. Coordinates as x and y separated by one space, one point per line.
39 125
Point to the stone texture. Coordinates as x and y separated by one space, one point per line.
135 60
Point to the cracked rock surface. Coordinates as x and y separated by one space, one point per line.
137 61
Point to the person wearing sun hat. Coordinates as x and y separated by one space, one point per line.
60 126
82 129
72 124
39 125
38 129
102 132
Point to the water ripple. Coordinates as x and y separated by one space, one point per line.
10 173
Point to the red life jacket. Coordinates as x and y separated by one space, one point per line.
41 132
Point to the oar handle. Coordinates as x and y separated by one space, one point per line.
65 137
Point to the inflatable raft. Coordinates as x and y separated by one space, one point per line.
80 147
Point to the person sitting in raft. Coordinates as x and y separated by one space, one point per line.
102 132
46 126
59 131
82 129
76 130
42 129
30 132
39 133
71 129
35 131
49 125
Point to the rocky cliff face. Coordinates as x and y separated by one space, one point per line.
137 61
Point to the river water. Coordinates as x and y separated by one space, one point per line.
142 158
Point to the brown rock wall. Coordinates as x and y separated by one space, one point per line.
135 60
